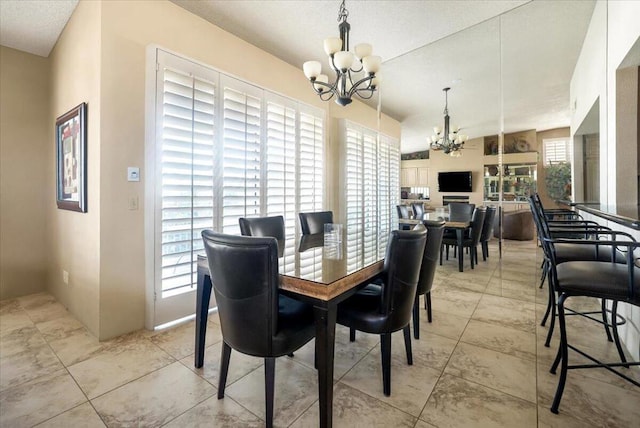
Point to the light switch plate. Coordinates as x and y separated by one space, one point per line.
133 173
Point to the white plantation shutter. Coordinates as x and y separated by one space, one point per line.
226 149
185 162
311 159
370 198
281 171
372 192
354 197
241 153
556 150
384 197
394 180
310 182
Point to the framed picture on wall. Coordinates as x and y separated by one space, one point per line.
71 159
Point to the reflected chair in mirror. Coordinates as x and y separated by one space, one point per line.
435 230
389 310
418 210
610 281
487 231
255 318
312 223
470 240
458 211
265 226
403 213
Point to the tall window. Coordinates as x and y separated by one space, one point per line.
224 150
372 191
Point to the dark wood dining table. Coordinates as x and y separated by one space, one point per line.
324 274
459 225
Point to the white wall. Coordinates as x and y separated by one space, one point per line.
613 30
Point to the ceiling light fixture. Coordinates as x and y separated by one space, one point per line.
449 140
347 66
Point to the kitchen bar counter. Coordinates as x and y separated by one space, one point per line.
626 215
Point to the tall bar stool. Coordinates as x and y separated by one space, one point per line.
612 281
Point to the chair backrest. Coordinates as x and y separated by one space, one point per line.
403 211
265 226
402 266
435 231
460 211
418 210
244 274
487 227
477 221
313 223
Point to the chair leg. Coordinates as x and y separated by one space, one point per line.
407 344
269 386
484 251
544 268
564 353
471 257
605 321
352 334
385 345
290 355
441 250
448 252
550 301
553 320
614 326
416 317
224 369
427 299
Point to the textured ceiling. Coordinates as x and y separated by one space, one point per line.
33 25
503 59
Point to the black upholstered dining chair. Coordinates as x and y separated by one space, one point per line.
254 317
461 211
471 240
487 231
403 213
389 310
610 281
265 226
418 210
435 230
313 223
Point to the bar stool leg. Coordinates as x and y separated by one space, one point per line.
564 355
605 321
614 326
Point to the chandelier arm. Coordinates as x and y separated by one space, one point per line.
371 92
322 95
355 86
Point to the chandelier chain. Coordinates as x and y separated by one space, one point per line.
343 14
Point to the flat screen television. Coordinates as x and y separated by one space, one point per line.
454 181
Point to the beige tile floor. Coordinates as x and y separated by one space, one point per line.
481 363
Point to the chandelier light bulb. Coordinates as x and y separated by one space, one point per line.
343 60
362 50
312 69
371 64
332 45
437 130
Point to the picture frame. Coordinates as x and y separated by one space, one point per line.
71 159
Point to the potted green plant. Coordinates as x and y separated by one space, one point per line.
558 180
